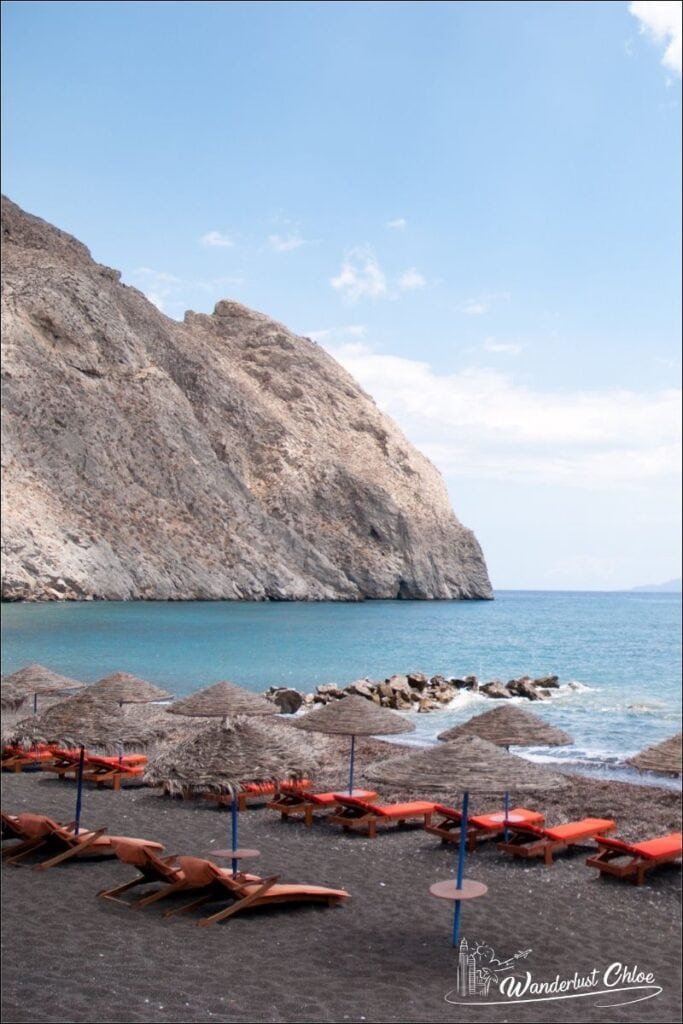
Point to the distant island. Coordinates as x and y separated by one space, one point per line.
670 587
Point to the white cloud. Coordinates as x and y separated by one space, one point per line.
156 285
411 279
397 225
360 275
508 347
482 424
662 21
280 244
338 334
474 307
216 239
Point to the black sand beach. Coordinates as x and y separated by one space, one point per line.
384 956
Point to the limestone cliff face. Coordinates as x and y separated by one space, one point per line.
222 457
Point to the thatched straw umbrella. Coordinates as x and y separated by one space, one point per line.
31 681
353 716
224 700
468 765
84 721
226 754
127 689
509 727
664 757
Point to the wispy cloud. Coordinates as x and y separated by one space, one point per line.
482 304
360 276
483 424
338 334
396 225
508 347
411 279
158 286
216 239
662 22
280 243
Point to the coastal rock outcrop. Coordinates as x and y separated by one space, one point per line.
414 691
218 458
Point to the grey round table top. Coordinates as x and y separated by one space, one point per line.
447 890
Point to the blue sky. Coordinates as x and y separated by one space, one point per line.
474 206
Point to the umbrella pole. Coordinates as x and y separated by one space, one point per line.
233 816
35 703
461 866
79 789
353 750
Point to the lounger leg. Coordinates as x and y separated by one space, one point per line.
28 847
111 894
548 855
72 851
240 904
188 906
372 829
167 890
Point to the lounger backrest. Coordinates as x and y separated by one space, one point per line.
141 856
361 805
448 812
198 871
35 825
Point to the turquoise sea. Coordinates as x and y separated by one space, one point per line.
622 648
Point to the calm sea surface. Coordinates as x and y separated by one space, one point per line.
623 648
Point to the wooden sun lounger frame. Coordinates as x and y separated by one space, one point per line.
249 892
351 817
16 762
448 829
635 869
526 843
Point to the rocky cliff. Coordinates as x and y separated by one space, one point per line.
221 457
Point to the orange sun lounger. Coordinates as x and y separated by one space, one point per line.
535 841
100 770
256 792
479 826
352 813
633 860
63 843
16 759
309 804
218 884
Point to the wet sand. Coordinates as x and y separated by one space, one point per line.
384 956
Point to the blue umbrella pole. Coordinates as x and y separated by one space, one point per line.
233 816
461 866
79 789
506 813
353 751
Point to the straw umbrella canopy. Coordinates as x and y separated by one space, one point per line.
31 680
353 716
223 700
127 689
85 721
467 765
224 755
470 765
662 757
509 727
